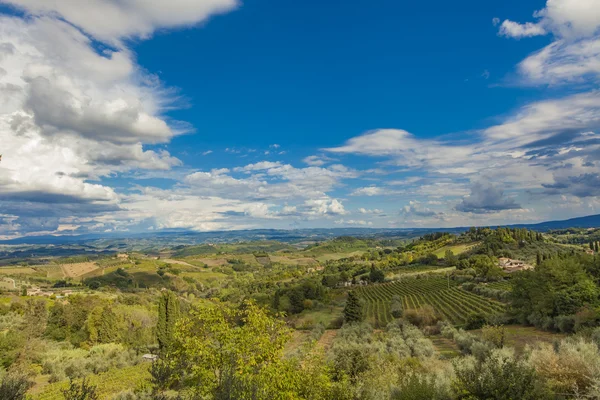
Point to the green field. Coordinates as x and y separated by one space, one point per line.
455 249
449 301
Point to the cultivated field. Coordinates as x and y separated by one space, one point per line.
17 271
76 270
449 301
455 249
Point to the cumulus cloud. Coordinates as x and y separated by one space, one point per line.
415 208
71 114
486 198
114 20
516 30
584 185
374 211
317 161
368 191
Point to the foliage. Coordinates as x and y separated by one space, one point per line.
14 386
557 288
80 391
217 350
354 309
500 376
570 367
168 313
396 308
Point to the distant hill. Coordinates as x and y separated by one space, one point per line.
591 221
170 238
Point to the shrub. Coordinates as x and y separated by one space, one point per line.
571 367
500 376
416 387
421 317
565 323
475 321
80 391
14 386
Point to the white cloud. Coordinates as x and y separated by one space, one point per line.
114 20
71 114
562 62
516 30
575 53
355 222
486 198
317 161
375 211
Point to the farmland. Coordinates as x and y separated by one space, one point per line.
447 299
77 270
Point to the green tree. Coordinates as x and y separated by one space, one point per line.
35 317
228 353
354 310
103 325
396 308
14 386
376 275
168 314
58 325
499 377
450 259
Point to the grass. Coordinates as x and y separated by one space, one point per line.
519 336
455 249
445 347
308 319
419 270
18 271
336 256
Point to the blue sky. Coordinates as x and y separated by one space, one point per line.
221 114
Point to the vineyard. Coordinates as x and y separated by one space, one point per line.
448 300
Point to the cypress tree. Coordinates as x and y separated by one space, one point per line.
168 313
596 246
591 245
353 312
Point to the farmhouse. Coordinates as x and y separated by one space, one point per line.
509 265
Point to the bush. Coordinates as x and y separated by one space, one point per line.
475 321
80 391
570 367
14 386
422 317
500 376
565 323
416 387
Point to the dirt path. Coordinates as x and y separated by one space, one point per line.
445 347
327 339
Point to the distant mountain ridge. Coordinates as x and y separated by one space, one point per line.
185 237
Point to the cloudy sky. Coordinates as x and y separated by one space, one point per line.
140 115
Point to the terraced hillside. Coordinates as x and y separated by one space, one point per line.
444 296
